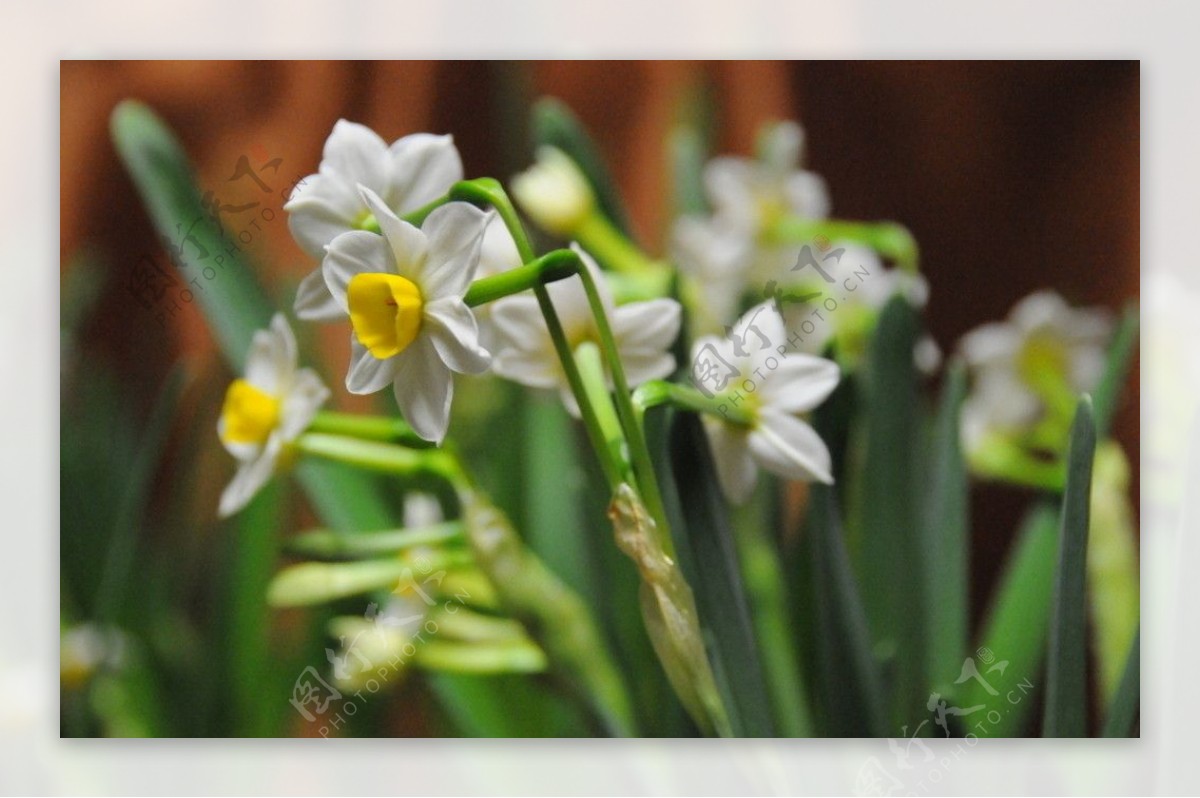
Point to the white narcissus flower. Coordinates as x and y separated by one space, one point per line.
408 174
265 410
759 377
403 291
754 193
643 333
716 258
1043 342
554 192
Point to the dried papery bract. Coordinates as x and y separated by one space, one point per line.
669 612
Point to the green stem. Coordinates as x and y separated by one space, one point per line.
660 392
553 266
890 239
643 466
558 264
384 457
323 544
372 428
591 372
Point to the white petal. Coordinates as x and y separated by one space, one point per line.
785 445
424 167
641 366
424 387
455 233
302 402
783 147
799 383
807 195
357 155
250 478
314 302
499 251
455 335
317 213
651 326
990 343
729 184
533 369
368 373
356 252
271 361
736 470
408 245
1041 310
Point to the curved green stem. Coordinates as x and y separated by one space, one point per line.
684 397
599 237
591 372
372 428
384 457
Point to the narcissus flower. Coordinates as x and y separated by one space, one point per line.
753 376
643 332
408 174
266 410
1029 369
754 193
403 291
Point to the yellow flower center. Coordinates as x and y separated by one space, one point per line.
249 413
1043 355
385 310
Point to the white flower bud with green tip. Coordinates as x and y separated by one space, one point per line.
555 193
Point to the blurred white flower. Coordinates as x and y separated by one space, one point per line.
754 193
266 410
403 291
1022 365
716 259
773 388
861 288
554 192
643 332
410 173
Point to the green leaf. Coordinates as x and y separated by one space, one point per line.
1123 712
709 556
847 675
946 538
890 555
556 126
1107 396
1017 621
1066 671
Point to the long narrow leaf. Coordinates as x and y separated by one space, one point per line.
720 592
850 687
890 555
946 538
1066 666
1106 398
1123 712
1014 634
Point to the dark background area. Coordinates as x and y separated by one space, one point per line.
1012 176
